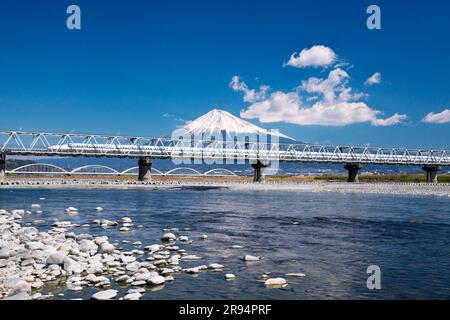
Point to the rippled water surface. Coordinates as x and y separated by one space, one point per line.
332 238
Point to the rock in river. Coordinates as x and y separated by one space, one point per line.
156 280
133 296
275 282
295 275
169 237
251 258
105 295
71 210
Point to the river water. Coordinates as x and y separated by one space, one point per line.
330 237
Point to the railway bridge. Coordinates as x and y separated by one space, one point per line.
258 154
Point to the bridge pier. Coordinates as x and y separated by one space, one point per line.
145 169
432 173
353 169
2 167
258 171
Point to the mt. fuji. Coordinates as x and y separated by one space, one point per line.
217 121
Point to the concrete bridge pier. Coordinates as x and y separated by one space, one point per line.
432 173
258 171
145 169
353 169
2 167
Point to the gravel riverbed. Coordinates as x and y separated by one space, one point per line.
419 189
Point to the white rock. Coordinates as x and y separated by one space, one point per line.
134 266
127 259
275 282
62 224
88 246
55 258
169 237
295 275
156 280
126 220
184 238
72 266
35 206
230 276
107 247
251 258
72 210
37 284
204 237
36 296
236 246
190 257
123 278
19 296
4 254
100 279
16 286
215 266
133 296
192 270
100 240
134 290
108 223
99 209
105 295
75 288
174 260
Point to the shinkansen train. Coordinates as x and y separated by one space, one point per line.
290 154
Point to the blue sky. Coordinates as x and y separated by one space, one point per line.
139 67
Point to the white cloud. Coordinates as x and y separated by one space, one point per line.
250 95
334 104
441 117
316 56
374 79
395 119
334 88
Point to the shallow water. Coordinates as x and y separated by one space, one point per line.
335 238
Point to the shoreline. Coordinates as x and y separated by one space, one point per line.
391 188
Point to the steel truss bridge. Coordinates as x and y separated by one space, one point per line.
76 145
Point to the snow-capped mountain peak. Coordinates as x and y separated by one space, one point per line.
217 121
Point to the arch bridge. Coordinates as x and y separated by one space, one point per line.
98 170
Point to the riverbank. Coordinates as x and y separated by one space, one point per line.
419 189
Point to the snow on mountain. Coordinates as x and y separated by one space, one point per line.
217 121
